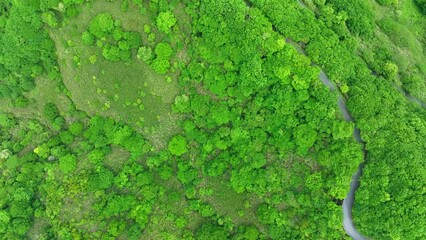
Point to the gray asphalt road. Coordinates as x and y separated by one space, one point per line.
348 202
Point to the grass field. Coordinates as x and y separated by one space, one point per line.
229 203
116 159
129 92
162 224
126 91
403 30
46 91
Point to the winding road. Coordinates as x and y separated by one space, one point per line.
348 202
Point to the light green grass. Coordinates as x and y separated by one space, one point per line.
407 43
116 159
45 91
113 88
160 222
37 229
227 202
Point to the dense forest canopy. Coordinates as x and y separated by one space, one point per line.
211 119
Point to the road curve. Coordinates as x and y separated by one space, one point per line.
348 202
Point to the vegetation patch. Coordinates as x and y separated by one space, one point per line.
211 119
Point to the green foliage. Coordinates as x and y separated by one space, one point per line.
118 204
87 38
163 50
368 99
342 130
165 21
133 39
100 180
6 120
388 2
116 43
210 231
26 49
161 65
182 104
344 89
305 137
51 111
248 232
4 221
360 16
98 155
66 137
101 25
49 18
145 54
178 145
114 53
93 59
391 71
253 116
76 128
67 163
422 5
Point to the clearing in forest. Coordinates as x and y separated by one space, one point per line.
128 91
